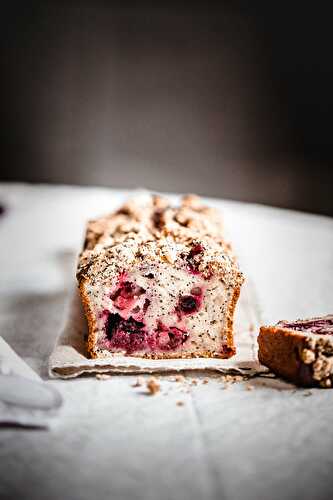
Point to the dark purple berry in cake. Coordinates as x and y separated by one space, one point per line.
130 290
125 334
188 304
146 305
112 324
320 326
2 209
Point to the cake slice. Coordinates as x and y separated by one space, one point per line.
301 351
159 282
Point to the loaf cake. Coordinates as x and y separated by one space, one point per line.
159 281
301 351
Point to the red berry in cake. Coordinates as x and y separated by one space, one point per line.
177 337
169 338
125 294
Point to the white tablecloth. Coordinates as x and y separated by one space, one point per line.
113 441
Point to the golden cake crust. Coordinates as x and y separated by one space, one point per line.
303 358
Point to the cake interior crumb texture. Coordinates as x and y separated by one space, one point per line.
159 281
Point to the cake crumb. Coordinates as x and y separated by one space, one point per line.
231 379
249 387
139 382
179 378
307 393
180 403
194 382
153 386
103 376
205 381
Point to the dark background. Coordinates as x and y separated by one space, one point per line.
231 102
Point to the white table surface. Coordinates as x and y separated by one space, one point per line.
113 441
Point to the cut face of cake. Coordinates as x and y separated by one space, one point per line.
301 351
159 282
